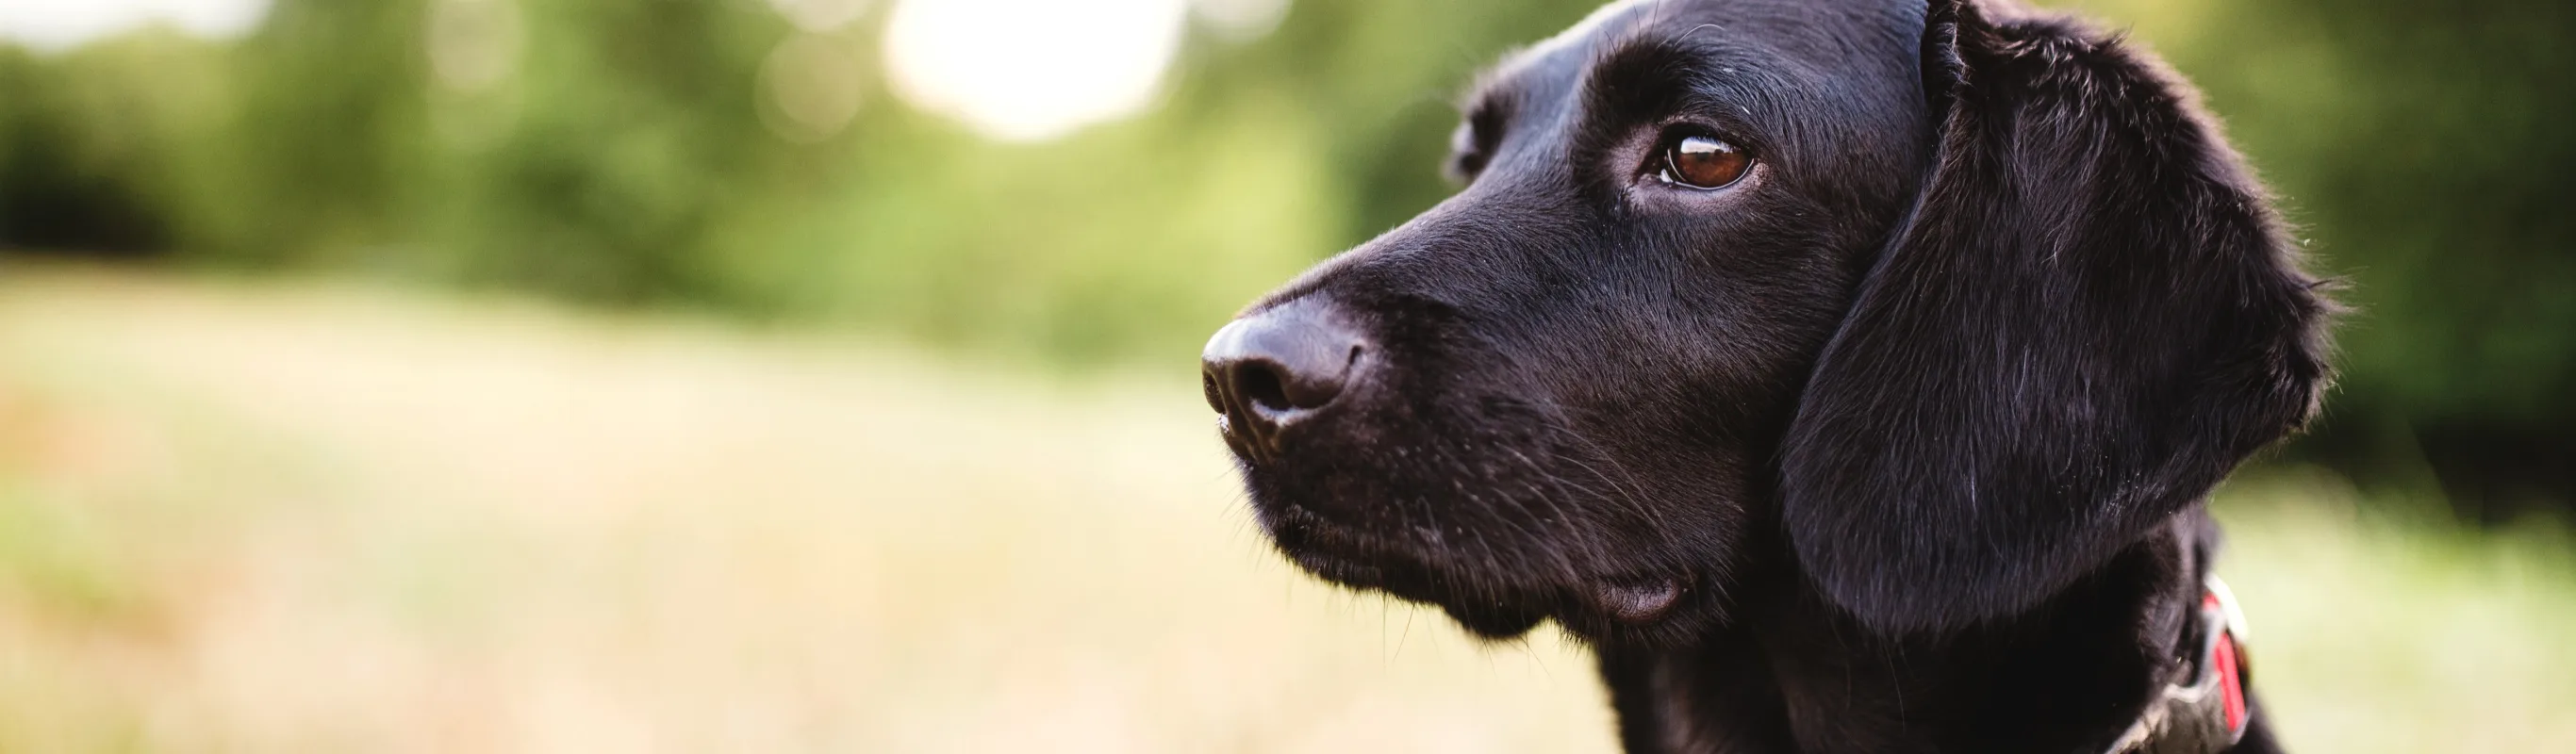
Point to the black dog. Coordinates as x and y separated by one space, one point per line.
1851 374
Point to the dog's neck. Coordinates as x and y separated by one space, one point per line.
1795 674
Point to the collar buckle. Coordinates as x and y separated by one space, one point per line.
2208 709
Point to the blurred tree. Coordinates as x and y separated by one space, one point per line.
625 128
2445 187
50 198
324 140
87 142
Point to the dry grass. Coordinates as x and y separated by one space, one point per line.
276 518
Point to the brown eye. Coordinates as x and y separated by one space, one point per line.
1704 162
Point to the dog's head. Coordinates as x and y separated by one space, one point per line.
1942 304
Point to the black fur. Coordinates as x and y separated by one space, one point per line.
1916 419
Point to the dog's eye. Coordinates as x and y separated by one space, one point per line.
1701 161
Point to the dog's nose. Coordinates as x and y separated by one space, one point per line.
1266 371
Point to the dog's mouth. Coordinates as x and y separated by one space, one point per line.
1495 600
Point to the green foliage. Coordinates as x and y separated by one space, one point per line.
95 147
627 152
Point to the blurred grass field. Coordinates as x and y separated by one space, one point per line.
289 517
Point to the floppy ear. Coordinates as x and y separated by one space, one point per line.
2089 318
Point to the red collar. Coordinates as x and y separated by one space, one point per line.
2205 710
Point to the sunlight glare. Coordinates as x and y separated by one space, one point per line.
1032 70
55 25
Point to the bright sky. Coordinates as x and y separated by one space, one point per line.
60 24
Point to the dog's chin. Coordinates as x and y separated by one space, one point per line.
1497 603
1494 613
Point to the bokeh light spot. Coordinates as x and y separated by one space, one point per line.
474 44
1240 20
818 16
811 85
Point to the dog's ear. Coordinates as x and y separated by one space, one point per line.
2088 319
